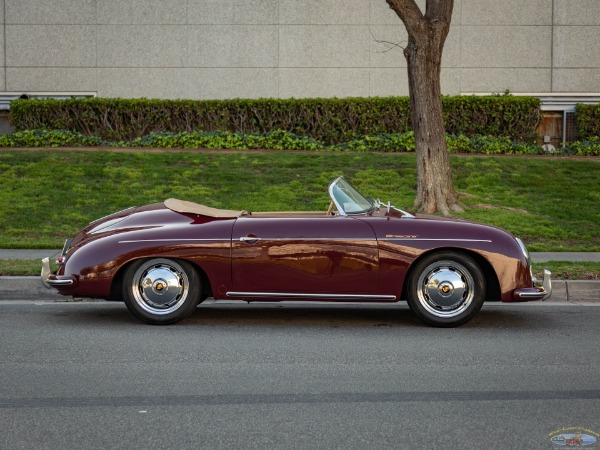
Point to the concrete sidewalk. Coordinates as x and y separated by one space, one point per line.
540 257
26 254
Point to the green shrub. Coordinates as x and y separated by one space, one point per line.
586 148
274 140
283 140
492 145
404 142
49 138
587 119
458 143
330 121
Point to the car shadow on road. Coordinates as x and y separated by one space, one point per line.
396 315
278 314
329 315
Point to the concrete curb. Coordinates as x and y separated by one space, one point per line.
26 288
575 291
31 288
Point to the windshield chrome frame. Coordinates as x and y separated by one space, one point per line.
374 203
341 210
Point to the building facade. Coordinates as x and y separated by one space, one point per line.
205 49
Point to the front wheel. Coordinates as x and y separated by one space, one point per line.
161 291
446 289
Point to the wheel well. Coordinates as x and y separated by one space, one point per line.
116 289
492 285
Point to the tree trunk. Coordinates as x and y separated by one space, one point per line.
426 36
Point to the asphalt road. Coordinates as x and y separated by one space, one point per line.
87 375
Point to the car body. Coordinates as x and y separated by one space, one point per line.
163 259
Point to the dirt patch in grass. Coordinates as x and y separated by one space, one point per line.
506 208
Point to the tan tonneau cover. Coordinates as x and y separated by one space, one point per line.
183 206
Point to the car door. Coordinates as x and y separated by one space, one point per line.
312 255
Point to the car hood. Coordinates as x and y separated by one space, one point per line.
437 219
449 220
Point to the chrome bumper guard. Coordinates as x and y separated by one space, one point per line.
49 280
539 291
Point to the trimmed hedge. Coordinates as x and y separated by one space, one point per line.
587 119
330 121
506 116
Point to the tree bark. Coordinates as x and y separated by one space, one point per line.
426 37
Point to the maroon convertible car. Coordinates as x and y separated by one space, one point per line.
165 258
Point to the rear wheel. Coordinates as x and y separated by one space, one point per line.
446 289
161 291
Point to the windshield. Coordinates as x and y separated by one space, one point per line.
347 199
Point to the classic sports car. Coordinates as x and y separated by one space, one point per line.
165 258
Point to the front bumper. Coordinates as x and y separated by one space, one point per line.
50 280
537 292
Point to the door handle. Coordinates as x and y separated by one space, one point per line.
250 239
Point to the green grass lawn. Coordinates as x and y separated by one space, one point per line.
47 195
565 270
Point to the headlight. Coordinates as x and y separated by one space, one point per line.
524 250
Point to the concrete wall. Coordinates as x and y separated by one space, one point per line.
288 48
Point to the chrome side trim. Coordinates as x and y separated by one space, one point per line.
245 238
311 296
370 239
437 240
173 240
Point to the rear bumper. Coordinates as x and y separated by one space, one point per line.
50 280
539 291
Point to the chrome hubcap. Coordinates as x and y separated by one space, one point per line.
445 288
160 286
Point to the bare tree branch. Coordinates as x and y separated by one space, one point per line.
391 45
